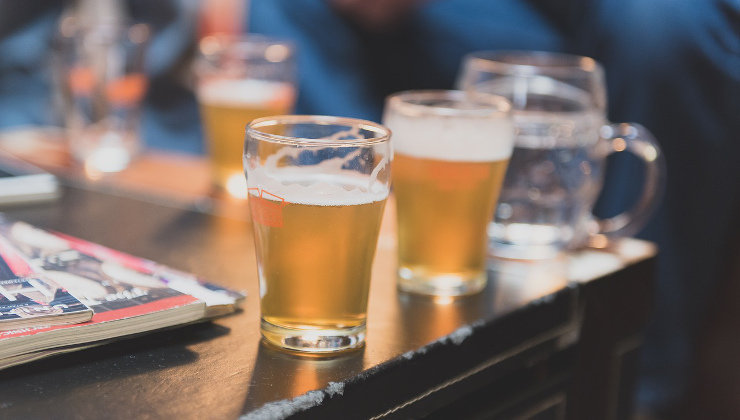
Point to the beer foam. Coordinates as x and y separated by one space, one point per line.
232 92
295 185
451 138
323 183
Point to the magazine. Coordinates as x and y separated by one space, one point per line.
28 299
31 301
128 295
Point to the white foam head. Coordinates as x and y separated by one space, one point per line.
340 189
321 181
240 92
469 133
322 184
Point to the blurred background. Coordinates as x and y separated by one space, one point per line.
672 66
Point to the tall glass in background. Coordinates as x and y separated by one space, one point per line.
100 69
557 168
240 79
450 157
317 188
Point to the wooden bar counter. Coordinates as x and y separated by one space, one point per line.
549 340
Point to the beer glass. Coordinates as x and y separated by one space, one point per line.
562 142
239 79
317 187
450 157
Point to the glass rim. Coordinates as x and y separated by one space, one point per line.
136 33
490 104
383 133
530 62
220 43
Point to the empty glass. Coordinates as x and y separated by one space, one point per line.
562 140
101 73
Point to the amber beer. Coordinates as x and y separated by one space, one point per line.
442 218
308 254
317 186
447 173
227 106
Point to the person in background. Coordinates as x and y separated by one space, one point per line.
672 66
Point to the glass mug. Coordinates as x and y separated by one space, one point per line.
238 79
562 141
317 188
450 157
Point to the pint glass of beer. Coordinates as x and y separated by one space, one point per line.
317 187
450 158
239 79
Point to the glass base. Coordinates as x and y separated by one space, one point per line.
526 241
440 284
315 341
523 251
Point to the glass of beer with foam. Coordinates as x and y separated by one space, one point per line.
317 187
450 158
239 79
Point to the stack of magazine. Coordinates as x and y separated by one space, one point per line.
60 294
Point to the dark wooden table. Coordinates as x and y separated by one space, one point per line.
550 340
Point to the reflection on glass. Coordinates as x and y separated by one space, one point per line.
522 281
280 376
431 318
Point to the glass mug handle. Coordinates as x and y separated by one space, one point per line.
637 140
